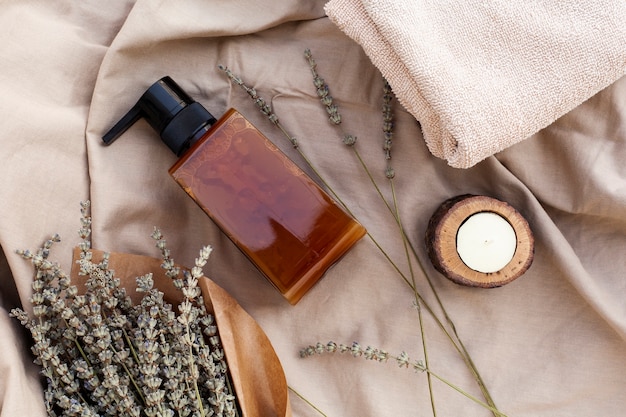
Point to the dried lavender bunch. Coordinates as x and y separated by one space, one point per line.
103 355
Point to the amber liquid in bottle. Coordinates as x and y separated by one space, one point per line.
275 213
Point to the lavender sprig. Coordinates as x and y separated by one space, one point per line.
322 89
388 128
323 92
262 105
403 360
358 351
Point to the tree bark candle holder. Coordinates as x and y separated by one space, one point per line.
479 241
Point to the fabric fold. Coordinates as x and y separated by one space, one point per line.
481 76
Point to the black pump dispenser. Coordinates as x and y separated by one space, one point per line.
171 112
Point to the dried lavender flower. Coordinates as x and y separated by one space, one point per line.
102 355
349 140
387 118
322 90
260 103
387 127
369 353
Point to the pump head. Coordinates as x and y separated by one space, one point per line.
170 111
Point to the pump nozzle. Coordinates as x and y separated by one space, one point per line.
170 111
122 125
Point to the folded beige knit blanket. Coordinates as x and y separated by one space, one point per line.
482 75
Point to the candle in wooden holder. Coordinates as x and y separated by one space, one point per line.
479 241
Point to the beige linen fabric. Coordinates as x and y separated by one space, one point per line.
480 75
552 343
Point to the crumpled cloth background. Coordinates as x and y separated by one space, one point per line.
551 343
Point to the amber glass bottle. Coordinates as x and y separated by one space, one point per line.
275 214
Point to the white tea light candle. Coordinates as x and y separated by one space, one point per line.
486 242
479 241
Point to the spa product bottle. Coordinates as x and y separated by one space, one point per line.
275 214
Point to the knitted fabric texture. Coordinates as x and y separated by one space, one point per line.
482 75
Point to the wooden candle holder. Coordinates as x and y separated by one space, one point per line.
441 241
